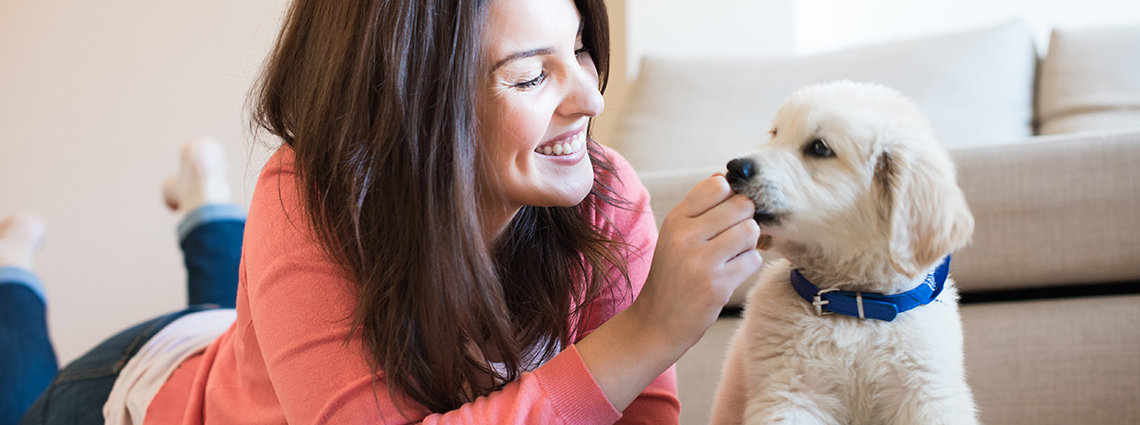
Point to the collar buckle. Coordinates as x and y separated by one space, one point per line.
819 302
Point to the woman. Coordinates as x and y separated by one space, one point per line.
438 240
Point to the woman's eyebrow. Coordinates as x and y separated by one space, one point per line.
523 55
534 52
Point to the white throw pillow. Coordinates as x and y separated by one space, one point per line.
1091 80
975 86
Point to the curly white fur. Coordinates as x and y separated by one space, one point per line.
875 216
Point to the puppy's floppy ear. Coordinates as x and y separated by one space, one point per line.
927 213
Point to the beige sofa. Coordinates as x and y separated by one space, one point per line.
1048 154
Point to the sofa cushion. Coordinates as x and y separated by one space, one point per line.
1051 211
1055 362
1090 80
975 87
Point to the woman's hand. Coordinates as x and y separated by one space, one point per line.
706 249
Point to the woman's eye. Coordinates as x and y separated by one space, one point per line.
533 82
819 149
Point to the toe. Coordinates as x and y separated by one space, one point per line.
21 236
170 192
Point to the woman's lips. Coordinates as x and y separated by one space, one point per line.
564 146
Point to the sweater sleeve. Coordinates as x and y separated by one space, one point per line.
300 307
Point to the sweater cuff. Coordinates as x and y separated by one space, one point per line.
573 392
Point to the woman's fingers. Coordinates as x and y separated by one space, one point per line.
736 240
731 212
735 257
709 209
704 196
744 265
711 214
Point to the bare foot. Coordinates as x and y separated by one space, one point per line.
21 235
201 176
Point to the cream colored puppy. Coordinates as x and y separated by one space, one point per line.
856 194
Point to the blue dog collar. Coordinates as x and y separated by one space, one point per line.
871 305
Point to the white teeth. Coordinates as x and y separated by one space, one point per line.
575 144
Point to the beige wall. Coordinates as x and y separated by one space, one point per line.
95 98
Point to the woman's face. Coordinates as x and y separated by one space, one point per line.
541 94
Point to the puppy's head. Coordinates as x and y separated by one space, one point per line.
851 173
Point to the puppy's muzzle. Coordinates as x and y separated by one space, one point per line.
740 173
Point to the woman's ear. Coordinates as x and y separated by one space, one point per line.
927 212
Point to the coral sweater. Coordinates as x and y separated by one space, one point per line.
285 360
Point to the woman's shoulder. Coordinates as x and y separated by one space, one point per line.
282 161
276 207
276 184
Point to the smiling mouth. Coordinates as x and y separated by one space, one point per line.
565 147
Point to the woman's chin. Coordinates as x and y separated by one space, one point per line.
572 186
580 196
569 197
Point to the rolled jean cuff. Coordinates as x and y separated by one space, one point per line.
19 276
209 213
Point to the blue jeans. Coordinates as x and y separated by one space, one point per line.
211 239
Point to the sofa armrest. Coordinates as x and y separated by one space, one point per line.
1051 211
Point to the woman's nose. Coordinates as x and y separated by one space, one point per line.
584 97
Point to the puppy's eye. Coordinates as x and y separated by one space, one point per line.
819 149
772 132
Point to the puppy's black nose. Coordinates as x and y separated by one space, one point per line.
740 170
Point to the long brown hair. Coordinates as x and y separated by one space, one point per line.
377 100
